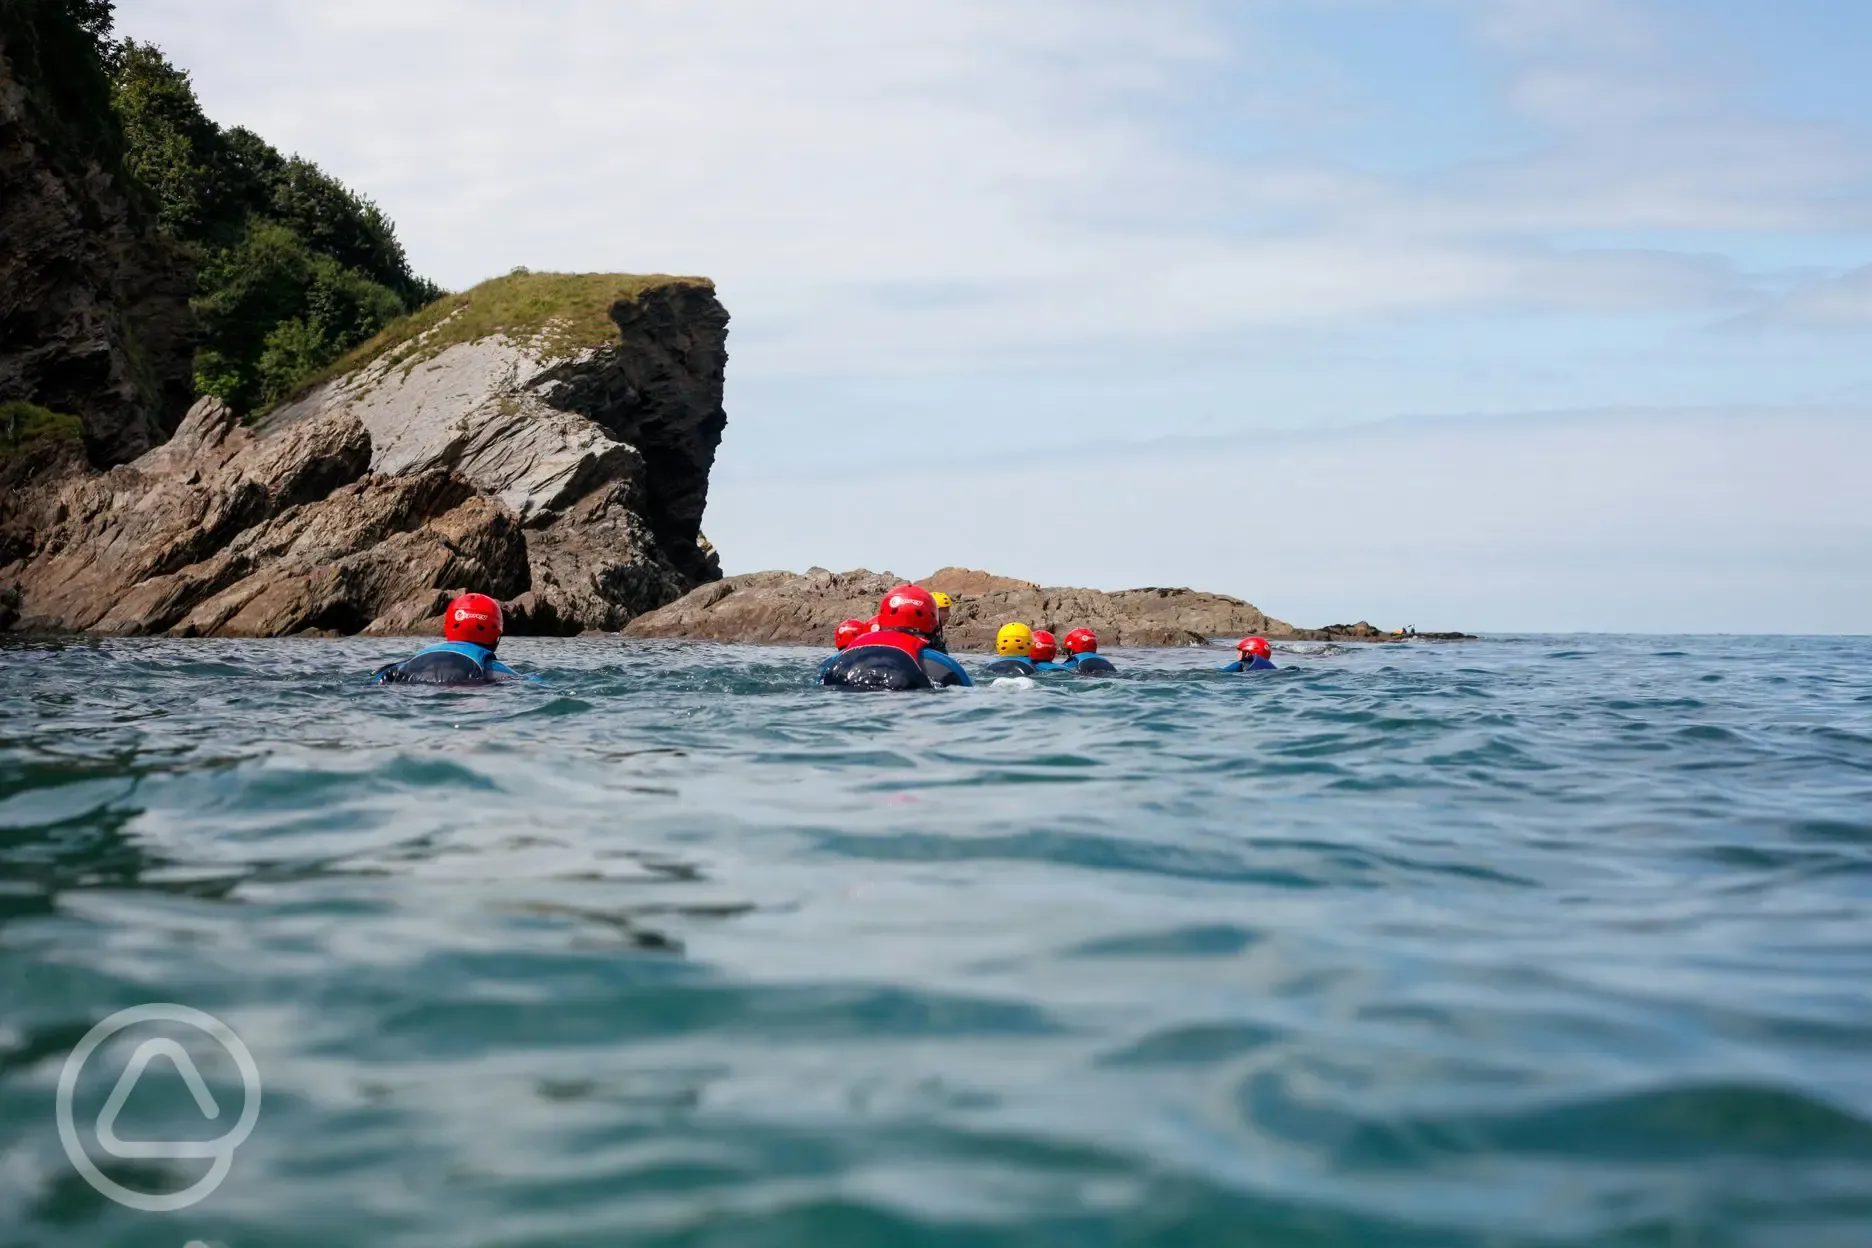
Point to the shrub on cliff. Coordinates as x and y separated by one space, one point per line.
27 425
294 268
274 310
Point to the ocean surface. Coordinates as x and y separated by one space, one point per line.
1526 941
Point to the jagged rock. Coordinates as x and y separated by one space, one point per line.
603 453
788 607
380 556
782 607
499 464
94 315
967 582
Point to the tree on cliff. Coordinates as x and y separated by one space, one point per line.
295 268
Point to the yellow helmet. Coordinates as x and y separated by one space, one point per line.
943 601
1014 639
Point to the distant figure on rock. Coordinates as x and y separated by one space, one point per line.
1014 648
847 632
943 603
1045 652
1254 652
896 652
471 630
1082 656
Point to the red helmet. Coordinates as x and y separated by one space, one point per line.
1256 646
1082 641
849 631
1044 646
908 607
473 617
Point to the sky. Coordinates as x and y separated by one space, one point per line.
1504 315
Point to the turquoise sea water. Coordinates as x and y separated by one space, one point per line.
1530 941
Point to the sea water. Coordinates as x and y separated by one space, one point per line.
1538 940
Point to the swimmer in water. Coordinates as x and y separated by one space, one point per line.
1046 652
1014 651
471 630
1254 653
896 653
1082 654
847 632
943 603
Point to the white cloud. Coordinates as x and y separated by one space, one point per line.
1836 303
914 187
1134 216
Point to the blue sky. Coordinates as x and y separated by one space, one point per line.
1006 269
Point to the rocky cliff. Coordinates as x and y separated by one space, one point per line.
544 438
790 608
94 314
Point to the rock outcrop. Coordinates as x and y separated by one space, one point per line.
790 608
94 313
567 479
969 583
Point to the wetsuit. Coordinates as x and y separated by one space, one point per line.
1256 664
446 663
939 643
1012 665
1090 665
891 659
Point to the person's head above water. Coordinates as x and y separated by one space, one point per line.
475 618
849 631
1014 641
1082 641
1257 647
943 603
1045 647
908 609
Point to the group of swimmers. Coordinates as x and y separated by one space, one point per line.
901 647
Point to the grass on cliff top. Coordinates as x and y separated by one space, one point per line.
26 425
565 312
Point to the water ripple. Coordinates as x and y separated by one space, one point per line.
1540 941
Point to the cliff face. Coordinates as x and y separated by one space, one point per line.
559 463
790 608
94 314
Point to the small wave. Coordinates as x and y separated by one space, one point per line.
1547 942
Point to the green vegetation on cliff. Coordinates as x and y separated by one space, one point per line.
562 313
296 277
27 425
294 268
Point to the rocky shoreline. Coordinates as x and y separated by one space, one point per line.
557 460
546 439
543 438
790 608
560 465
